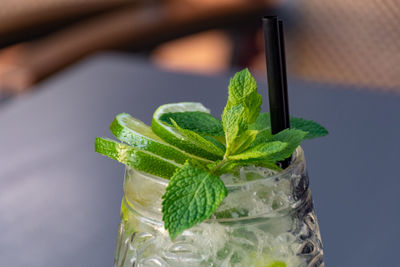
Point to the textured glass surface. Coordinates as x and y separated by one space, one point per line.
267 219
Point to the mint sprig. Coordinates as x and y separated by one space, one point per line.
242 137
243 90
192 195
242 142
293 138
266 151
235 124
199 122
210 147
242 108
312 128
199 140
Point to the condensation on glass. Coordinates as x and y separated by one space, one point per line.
266 220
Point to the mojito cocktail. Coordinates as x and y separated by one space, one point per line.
267 219
199 191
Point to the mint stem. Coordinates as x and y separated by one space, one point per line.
219 165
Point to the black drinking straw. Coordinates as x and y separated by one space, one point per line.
283 61
276 74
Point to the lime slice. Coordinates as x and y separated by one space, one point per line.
136 133
140 160
170 135
265 260
277 264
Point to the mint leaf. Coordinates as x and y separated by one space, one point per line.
292 137
215 141
243 90
198 140
232 166
229 167
234 123
191 196
263 136
263 125
199 122
262 151
241 85
242 142
312 128
262 122
242 109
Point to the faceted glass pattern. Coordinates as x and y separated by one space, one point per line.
266 220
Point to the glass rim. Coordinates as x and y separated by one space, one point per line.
297 158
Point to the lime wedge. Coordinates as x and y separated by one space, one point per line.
170 135
136 133
265 260
277 264
140 160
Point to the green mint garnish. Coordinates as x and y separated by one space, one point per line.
192 195
292 137
266 151
235 123
242 109
199 140
186 132
247 141
242 142
243 90
312 128
262 122
216 140
196 121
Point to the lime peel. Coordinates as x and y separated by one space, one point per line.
136 133
141 160
172 136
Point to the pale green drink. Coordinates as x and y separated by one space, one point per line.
266 220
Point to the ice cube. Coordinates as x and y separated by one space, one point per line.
183 254
153 261
251 173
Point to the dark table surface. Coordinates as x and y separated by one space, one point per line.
59 201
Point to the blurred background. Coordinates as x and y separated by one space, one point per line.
59 201
356 43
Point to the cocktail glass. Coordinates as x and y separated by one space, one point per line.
266 220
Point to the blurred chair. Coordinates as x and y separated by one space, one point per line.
22 20
138 25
